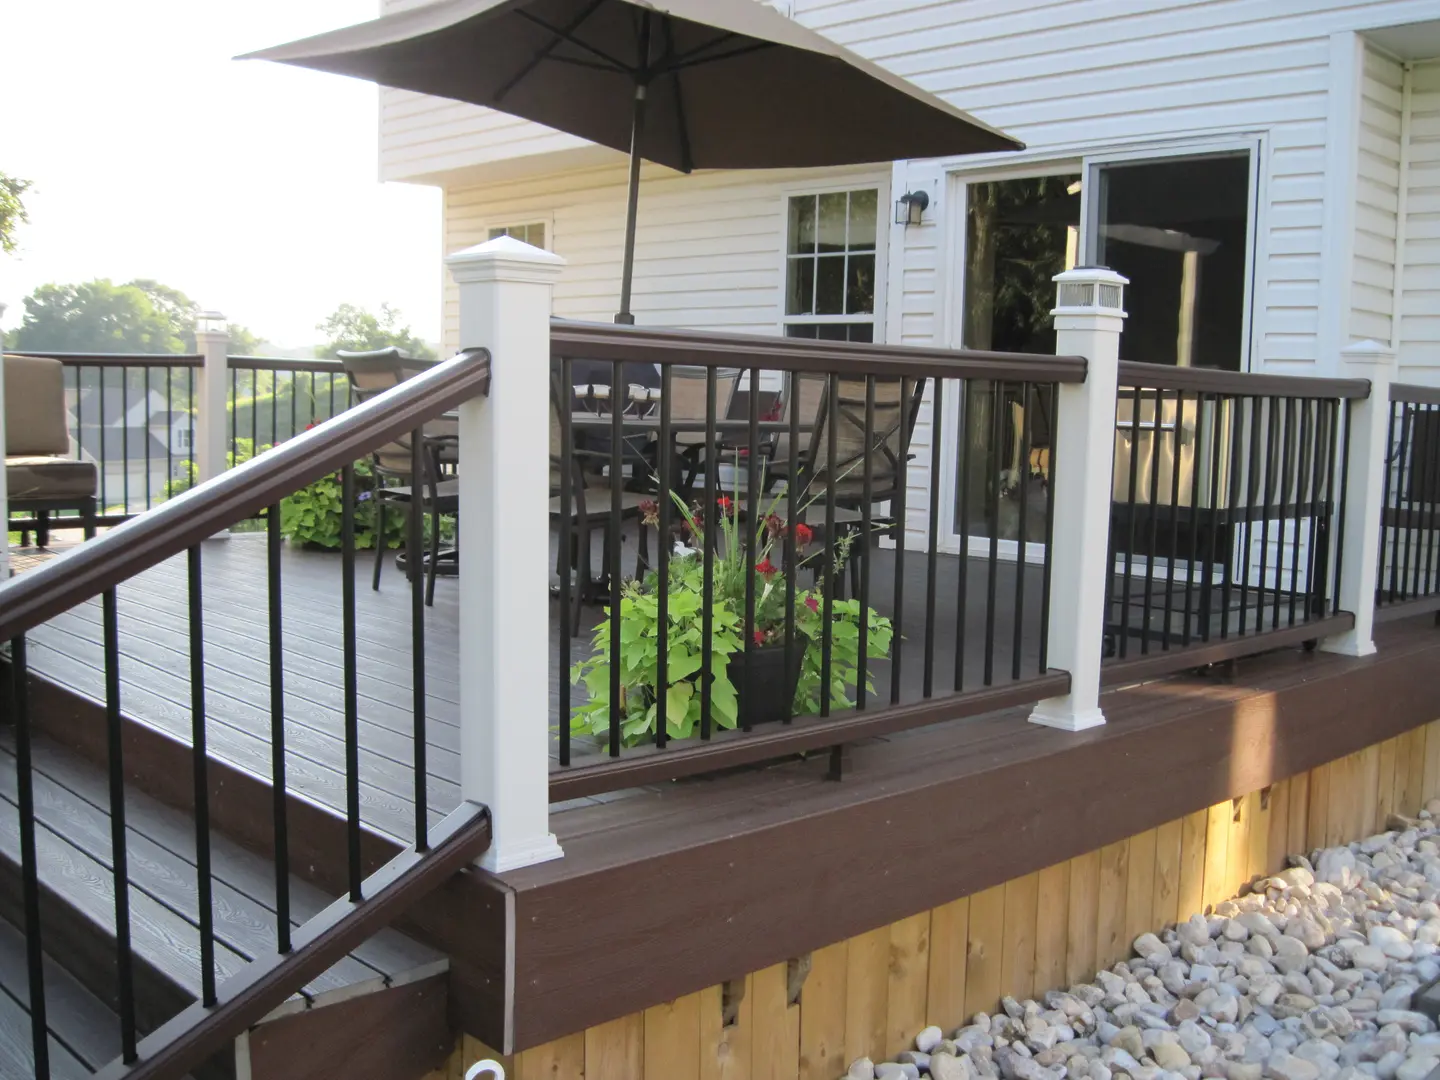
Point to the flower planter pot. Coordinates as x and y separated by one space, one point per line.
764 689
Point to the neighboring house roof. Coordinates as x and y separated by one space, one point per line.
117 405
120 443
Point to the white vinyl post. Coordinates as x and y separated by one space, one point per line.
504 468
212 342
1089 315
1364 494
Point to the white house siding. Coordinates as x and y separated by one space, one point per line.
1377 198
1420 301
709 246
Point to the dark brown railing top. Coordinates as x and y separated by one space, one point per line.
319 365
86 571
1237 383
602 341
76 359
1415 395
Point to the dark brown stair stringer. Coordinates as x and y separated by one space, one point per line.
193 1035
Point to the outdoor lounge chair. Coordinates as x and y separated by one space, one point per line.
40 477
373 373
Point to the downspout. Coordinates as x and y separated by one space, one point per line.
1401 206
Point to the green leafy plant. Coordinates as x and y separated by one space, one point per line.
732 570
314 514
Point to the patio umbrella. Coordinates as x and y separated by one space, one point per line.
691 84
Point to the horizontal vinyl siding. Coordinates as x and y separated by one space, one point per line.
708 246
1420 302
1377 199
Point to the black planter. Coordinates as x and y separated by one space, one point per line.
764 689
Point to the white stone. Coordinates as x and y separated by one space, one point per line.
1417 1068
928 1039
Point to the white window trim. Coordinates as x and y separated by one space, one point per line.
547 220
1062 160
880 182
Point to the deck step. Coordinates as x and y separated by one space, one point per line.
78 927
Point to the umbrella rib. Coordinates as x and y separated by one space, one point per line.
687 160
705 47
540 56
573 40
681 65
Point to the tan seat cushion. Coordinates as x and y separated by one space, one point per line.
49 478
35 421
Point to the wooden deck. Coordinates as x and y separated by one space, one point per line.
154 666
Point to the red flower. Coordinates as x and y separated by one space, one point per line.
766 568
803 535
723 502
310 425
650 511
759 637
773 525
812 604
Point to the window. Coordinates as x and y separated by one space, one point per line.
532 233
830 264
1179 229
182 438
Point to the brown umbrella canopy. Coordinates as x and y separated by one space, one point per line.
732 84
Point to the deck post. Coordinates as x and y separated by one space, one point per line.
4 496
1089 315
212 342
504 467
1364 493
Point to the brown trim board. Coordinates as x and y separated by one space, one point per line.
664 895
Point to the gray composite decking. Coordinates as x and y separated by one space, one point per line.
154 664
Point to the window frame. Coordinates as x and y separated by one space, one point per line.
880 184
526 220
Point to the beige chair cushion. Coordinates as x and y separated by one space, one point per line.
36 477
35 407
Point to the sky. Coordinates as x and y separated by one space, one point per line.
249 186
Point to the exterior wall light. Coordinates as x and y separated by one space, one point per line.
910 207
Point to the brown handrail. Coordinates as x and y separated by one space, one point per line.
1242 383
602 341
319 365
174 526
77 359
1415 395
188 1039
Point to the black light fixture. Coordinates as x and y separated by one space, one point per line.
911 207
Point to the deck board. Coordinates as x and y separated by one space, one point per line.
154 647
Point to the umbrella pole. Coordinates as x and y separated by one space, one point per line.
632 204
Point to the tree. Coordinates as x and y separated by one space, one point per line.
12 210
355 329
142 316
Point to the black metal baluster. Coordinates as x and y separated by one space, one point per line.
567 559
962 570
415 561
792 554
997 404
867 540
29 866
1152 525
1341 502
120 872
1431 415
1304 495
274 409
234 414
1123 622
707 544
1044 662
279 805
612 544
125 439
1173 558
1393 499
255 413
1408 516
1318 459
352 695
200 770
1253 466
898 510
932 553
294 394
832 418
1022 541
169 438
752 535
1417 501
330 387
190 392
100 438
1217 440
1238 413
1282 482
666 454
148 417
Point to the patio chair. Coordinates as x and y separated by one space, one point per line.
591 502
806 392
373 373
40 477
688 401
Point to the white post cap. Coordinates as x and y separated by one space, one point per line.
1090 290
1368 352
504 259
210 322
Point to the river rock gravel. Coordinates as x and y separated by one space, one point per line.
1308 975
